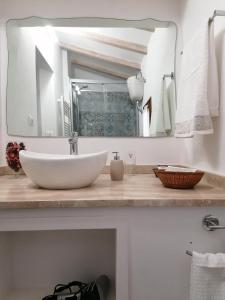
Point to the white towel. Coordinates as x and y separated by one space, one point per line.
179 169
163 118
161 113
165 111
172 105
213 78
198 93
166 108
207 277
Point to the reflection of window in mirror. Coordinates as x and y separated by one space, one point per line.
96 80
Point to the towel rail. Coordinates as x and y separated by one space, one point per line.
217 13
210 223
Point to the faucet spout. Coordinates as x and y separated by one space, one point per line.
73 142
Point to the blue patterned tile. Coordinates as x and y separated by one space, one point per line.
113 116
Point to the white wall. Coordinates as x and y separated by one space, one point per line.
162 9
47 102
147 150
207 152
22 103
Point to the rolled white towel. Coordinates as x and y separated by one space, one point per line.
179 169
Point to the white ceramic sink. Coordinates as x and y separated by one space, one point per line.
55 171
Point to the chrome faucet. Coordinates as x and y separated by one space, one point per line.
73 141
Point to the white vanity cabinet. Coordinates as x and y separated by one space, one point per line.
142 250
41 248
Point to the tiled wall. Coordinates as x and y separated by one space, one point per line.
109 114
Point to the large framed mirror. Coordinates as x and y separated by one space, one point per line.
94 76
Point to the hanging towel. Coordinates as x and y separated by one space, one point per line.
162 113
213 78
166 108
207 277
172 104
198 93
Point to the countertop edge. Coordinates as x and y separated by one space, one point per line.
112 203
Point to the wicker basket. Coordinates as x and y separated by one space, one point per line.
179 180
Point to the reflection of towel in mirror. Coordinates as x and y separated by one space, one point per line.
161 112
213 75
207 276
171 92
166 110
198 93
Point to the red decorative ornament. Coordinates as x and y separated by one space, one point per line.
12 155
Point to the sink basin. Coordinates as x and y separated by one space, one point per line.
55 171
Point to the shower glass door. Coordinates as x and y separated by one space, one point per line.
120 113
103 109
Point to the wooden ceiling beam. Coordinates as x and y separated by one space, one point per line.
94 54
100 69
115 42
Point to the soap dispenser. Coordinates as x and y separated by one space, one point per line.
116 168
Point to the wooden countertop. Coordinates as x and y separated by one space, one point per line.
143 190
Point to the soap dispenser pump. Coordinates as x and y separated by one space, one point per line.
116 168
